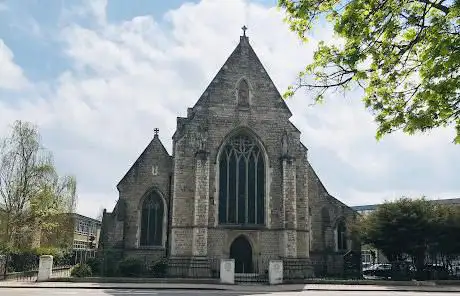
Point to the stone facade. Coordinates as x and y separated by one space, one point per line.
300 218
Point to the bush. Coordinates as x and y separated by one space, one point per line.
61 257
159 268
55 252
65 259
131 267
24 261
95 264
109 264
81 270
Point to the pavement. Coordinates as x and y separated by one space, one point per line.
218 288
147 292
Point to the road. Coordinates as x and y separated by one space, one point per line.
127 292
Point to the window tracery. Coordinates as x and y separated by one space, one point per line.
241 183
152 221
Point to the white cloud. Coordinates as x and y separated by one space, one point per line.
11 75
125 79
342 126
97 8
372 197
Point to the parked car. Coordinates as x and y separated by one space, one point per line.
455 271
366 265
377 271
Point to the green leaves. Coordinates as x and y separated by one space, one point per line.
412 228
32 194
405 54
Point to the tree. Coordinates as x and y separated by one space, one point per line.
413 229
31 191
400 229
445 234
405 54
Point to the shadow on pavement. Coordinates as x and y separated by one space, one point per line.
181 292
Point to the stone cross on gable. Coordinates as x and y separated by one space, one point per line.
156 130
244 28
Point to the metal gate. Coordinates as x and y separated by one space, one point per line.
258 273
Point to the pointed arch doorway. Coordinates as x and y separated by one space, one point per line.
241 251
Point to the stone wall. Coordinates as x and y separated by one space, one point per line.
150 172
218 114
111 230
326 211
148 256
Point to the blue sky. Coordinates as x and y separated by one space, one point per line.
98 76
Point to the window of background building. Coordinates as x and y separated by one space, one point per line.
80 245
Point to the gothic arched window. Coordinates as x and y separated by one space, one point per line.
341 236
243 93
152 221
241 183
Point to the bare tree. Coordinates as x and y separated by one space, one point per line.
31 191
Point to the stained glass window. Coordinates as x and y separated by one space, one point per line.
241 183
152 221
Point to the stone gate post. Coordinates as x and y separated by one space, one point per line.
275 272
45 268
227 271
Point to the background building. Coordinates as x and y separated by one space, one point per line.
86 232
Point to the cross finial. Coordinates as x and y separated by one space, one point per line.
244 28
156 130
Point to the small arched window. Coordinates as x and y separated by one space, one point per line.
243 93
341 236
152 221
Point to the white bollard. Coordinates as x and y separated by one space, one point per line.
227 271
45 268
275 272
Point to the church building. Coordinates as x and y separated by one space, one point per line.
237 185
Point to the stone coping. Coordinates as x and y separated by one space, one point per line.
253 288
217 281
135 280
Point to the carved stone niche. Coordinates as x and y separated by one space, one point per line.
200 142
243 93
154 170
286 145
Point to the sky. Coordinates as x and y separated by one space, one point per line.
98 76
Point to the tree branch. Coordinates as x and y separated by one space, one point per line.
438 6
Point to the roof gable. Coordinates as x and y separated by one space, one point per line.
243 62
155 146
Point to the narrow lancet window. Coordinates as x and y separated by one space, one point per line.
341 236
243 93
